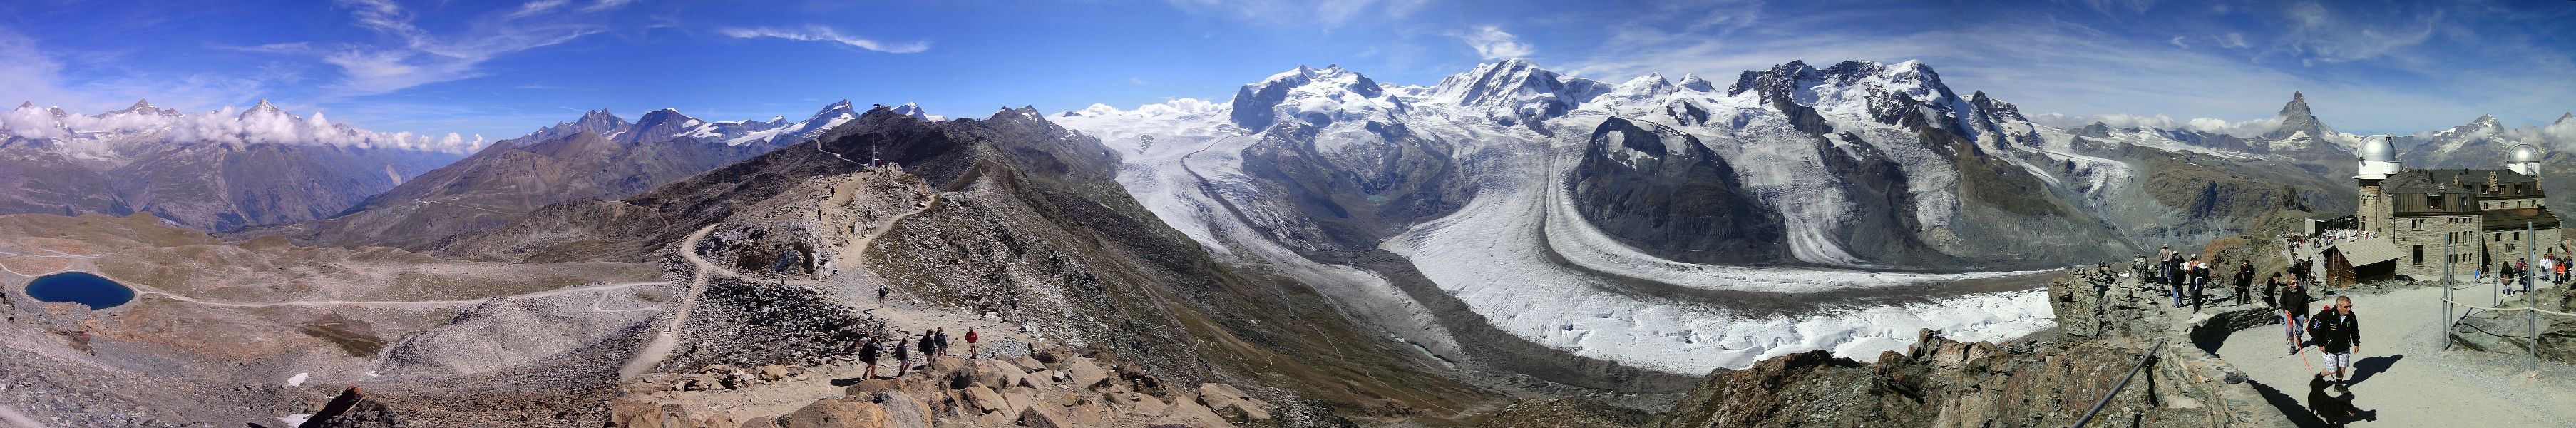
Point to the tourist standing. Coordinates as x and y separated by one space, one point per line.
2199 281
2294 307
882 291
2245 282
970 343
943 340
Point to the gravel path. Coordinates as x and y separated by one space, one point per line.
404 303
2402 376
659 348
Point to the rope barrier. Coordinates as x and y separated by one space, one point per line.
2508 309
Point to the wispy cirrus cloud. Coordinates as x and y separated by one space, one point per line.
414 56
1491 42
818 33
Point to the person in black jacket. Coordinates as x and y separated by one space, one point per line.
2339 334
2245 282
2294 307
868 354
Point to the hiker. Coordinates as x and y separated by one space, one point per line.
2199 281
868 354
2272 290
943 340
902 357
2174 269
928 344
2338 333
2245 282
881 295
2294 308
970 343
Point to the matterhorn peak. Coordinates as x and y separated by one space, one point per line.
2565 118
264 106
140 105
27 105
2298 97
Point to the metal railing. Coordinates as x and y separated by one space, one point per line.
2531 324
2124 384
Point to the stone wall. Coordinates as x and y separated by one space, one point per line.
2406 236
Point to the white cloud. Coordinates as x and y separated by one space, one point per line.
1492 43
825 34
1322 15
605 5
30 73
2246 128
818 33
2333 36
2233 40
229 126
417 56
2177 42
536 7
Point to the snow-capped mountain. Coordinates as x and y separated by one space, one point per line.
1600 219
218 170
598 155
2484 143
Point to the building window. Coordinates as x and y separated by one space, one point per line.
2419 254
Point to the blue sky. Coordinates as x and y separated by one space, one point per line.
501 69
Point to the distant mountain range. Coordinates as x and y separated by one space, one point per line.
219 170
597 156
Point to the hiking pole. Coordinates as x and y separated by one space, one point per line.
2124 383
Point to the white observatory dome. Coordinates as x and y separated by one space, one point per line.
2523 153
2378 150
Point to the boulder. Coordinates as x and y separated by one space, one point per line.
983 400
1226 400
1190 414
869 388
1083 374
903 411
775 372
1026 362
838 414
1043 417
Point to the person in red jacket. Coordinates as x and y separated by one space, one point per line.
970 342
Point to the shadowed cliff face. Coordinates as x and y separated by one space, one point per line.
1667 194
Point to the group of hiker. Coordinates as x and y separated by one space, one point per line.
2186 279
933 342
2522 275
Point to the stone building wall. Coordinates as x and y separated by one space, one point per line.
2407 236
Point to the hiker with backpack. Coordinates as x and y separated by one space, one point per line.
881 295
868 354
2338 333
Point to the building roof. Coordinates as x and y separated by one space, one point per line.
2429 181
2515 218
2367 251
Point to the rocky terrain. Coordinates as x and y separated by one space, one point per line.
2510 332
